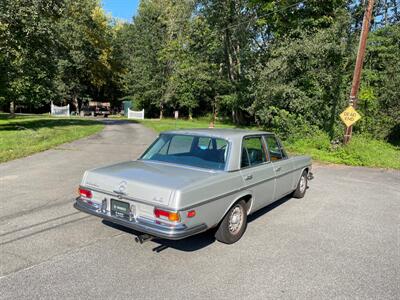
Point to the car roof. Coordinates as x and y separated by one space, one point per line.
225 133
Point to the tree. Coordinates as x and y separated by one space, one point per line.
84 66
145 77
28 44
379 95
232 20
305 77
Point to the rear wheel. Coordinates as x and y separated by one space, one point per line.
233 225
301 186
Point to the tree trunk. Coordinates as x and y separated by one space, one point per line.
12 109
236 51
215 112
190 114
395 11
75 102
228 57
161 111
385 17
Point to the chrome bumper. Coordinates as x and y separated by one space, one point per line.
143 225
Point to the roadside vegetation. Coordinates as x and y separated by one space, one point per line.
363 150
171 124
24 135
285 66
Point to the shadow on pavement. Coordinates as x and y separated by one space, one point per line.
36 124
198 241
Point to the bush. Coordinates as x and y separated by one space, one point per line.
362 150
288 126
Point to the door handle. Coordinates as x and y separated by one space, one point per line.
278 169
248 177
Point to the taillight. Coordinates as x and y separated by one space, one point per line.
191 213
167 215
85 193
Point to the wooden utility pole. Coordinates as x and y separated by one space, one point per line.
359 64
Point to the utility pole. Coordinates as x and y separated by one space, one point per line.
359 64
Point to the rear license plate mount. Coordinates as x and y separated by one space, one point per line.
120 209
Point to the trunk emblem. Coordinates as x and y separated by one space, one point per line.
122 187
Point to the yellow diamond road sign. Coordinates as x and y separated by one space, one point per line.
349 116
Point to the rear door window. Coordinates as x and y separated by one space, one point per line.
274 148
253 152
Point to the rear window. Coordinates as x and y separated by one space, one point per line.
196 151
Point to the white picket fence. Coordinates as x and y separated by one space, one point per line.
61 111
135 114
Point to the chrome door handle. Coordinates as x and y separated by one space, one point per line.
248 177
278 169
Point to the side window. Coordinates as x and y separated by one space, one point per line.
221 144
252 152
180 144
204 143
274 148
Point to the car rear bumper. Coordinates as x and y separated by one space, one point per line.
143 225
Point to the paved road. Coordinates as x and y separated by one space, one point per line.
341 241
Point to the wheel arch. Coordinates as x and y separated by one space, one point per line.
307 169
247 196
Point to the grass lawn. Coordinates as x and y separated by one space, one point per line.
170 124
361 151
28 134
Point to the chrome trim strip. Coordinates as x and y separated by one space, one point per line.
211 199
238 190
197 204
226 194
144 225
160 162
122 197
294 170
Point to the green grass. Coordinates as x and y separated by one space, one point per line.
28 134
170 124
361 151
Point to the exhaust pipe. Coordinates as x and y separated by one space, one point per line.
143 238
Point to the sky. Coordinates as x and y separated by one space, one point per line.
123 9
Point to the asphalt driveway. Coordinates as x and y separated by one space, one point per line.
341 241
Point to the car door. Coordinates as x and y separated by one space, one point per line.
282 165
257 171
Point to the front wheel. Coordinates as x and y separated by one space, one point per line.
301 186
233 225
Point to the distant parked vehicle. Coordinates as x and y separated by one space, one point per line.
189 181
95 111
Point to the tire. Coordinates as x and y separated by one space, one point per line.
229 231
301 186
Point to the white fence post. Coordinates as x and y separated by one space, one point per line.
136 114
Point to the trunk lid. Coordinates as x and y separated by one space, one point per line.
151 182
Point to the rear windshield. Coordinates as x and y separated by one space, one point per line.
197 151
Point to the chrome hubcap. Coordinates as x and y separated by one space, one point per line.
303 184
236 220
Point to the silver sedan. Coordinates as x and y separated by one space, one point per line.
189 181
